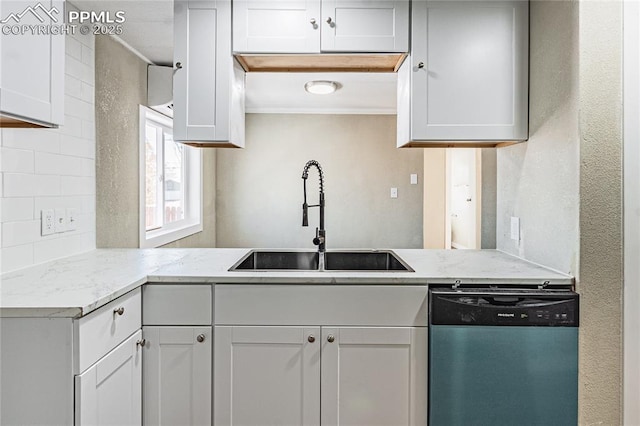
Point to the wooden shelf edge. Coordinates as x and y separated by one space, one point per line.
7 121
324 62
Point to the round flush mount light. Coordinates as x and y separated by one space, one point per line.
321 87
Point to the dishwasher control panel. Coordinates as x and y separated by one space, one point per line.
505 307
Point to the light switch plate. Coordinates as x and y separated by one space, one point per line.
394 192
60 220
515 228
414 179
72 219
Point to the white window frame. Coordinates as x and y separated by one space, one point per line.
192 223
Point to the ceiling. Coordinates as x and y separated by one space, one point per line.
148 29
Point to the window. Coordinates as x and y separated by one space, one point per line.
170 183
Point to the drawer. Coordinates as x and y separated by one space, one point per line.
104 329
340 305
177 304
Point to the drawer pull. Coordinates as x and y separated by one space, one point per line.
330 338
141 342
311 338
200 338
119 311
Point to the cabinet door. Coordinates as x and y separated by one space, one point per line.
469 70
40 97
267 376
208 87
110 391
374 376
365 26
177 375
280 26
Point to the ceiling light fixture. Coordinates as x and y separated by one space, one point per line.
321 87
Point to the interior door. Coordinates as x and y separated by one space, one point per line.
374 376
464 192
110 391
267 376
177 376
365 26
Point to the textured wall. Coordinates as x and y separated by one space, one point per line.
489 196
50 169
121 86
538 180
600 277
259 189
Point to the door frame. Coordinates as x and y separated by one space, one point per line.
631 224
477 199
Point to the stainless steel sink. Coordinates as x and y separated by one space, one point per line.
360 260
262 260
372 260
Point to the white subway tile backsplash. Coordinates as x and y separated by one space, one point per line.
77 147
56 164
46 185
72 86
15 209
16 160
19 185
43 140
17 257
73 48
72 185
75 107
18 233
51 169
88 55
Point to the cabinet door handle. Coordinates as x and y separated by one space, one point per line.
330 338
330 22
420 65
311 338
119 311
141 342
179 65
200 338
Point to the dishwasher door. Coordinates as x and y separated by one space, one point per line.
503 358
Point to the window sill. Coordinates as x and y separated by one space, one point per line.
159 238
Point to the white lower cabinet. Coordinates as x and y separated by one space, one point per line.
374 376
177 375
267 376
110 391
320 376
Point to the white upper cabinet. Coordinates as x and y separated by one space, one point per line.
31 66
314 26
291 26
208 85
466 79
365 26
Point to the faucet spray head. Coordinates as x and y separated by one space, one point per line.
305 214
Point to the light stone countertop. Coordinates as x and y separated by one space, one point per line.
77 285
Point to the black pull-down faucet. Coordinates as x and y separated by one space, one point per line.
319 240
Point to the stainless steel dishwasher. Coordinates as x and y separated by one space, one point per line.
503 356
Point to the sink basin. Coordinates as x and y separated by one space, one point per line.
360 260
259 260
383 260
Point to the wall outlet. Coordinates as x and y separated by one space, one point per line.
515 228
60 220
394 192
413 179
47 222
72 219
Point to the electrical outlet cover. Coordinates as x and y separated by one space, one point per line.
60 220
46 221
515 228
